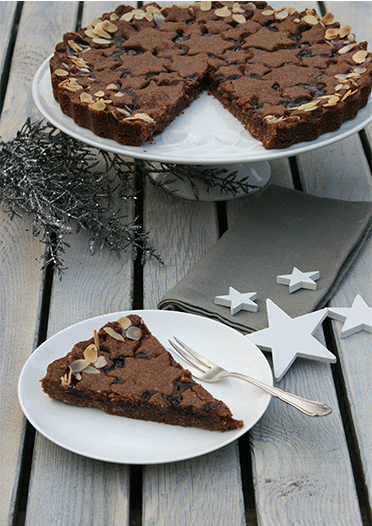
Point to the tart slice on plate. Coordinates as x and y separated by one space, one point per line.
125 371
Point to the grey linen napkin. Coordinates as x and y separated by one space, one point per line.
279 230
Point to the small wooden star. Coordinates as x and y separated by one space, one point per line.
299 280
237 301
288 338
357 318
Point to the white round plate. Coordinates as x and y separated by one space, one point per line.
205 133
93 433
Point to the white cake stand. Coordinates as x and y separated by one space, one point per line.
204 135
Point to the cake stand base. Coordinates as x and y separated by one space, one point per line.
237 180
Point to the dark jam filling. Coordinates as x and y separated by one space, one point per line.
175 399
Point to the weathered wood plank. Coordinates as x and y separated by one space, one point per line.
183 231
7 14
347 176
92 285
20 278
290 486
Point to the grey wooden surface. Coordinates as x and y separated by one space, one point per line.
288 470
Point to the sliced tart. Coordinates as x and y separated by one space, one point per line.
124 370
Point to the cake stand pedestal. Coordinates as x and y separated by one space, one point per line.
253 177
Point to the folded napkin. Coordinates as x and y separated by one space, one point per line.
279 230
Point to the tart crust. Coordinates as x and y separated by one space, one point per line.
124 370
288 76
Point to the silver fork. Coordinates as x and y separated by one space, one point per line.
208 371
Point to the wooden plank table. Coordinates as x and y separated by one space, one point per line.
289 470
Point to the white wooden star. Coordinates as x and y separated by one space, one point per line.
357 318
237 301
299 280
287 338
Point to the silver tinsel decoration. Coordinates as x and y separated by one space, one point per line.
66 185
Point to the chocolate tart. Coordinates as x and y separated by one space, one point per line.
288 76
125 371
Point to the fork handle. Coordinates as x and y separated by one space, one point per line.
309 407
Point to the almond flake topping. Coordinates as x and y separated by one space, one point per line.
237 8
360 56
98 106
127 16
223 12
310 19
91 353
98 40
346 49
205 6
113 334
240 19
282 14
134 333
109 26
96 339
345 31
125 322
141 117
79 365
61 72
86 97
70 85
112 87
331 33
328 19
74 46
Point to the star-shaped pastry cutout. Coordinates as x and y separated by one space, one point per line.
299 280
288 338
357 318
237 301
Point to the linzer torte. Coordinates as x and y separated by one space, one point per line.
124 370
288 76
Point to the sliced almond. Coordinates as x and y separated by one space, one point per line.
240 19
86 97
79 365
91 370
331 33
113 334
74 46
346 49
96 339
134 333
328 19
282 14
360 56
98 106
311 20
223 12
101 362
99 40
112 87
205 6
91 353
127 16
344 31
141 117
109 26
99 94
61 72
66 379
125 323
237 8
